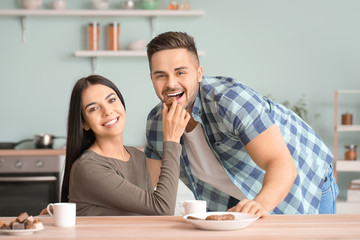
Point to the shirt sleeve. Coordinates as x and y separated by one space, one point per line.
244 113
154 134
101 186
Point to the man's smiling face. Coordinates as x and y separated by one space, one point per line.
176 73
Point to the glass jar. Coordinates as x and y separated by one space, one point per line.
351 152
185 5
93 36
113 36
173 5
347 119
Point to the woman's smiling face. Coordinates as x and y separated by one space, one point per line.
103 111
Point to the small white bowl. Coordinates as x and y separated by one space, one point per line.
138 45
58 4
101 4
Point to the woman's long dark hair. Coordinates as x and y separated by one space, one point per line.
78 139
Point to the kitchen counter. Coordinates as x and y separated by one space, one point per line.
174 227
32 152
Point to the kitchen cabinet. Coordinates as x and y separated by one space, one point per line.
152 14
340 164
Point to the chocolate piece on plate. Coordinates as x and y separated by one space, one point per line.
221 217
18 226
2 223
12 223
37 224
29 222
22 217
6 227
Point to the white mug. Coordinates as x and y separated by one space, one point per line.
191 206
64 214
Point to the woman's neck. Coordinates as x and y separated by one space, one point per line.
111 147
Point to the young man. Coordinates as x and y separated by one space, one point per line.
241 151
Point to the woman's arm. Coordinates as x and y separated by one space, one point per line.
102 186
154 170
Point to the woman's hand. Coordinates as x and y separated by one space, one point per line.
175 119
249 206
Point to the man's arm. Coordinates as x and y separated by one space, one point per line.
269 152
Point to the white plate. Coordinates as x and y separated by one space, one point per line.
20 231
241 220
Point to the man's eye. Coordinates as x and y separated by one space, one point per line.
160 76
181 73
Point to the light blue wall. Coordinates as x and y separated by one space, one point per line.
282 48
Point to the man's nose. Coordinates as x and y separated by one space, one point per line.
172 81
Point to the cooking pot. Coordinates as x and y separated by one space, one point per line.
41 141
12 145
44 140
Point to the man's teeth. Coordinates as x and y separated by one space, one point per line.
111 122
173 94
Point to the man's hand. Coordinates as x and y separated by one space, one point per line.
249 206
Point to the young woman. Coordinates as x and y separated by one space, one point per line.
104 177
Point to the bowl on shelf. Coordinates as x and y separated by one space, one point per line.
58 4
137 45
30 4
128 4
149 4
100 4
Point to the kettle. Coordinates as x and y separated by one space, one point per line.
30 4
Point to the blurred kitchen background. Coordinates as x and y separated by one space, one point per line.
291 50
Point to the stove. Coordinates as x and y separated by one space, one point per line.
29 180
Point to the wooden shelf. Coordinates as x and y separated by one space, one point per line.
347 165
348 91
152 14
122 53
348 128
104 13
341 165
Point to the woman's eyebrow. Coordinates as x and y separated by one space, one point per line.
110 95
92 103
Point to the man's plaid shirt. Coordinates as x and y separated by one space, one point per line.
231 115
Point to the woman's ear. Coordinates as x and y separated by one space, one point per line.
85 126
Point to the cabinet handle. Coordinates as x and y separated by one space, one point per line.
28 179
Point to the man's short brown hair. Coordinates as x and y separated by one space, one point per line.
171 40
